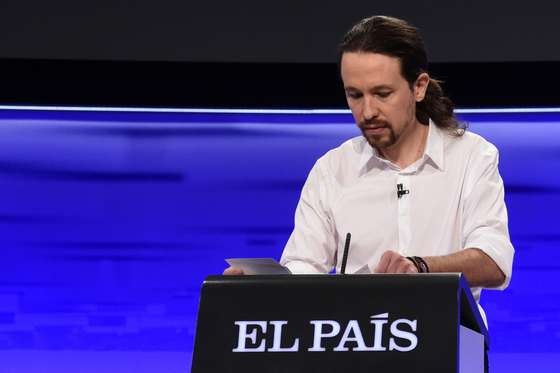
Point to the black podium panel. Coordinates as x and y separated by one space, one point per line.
321 323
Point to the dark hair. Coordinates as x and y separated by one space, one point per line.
397 38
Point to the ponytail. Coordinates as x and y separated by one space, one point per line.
439 108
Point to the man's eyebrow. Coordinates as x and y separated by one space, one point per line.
377 88
381 87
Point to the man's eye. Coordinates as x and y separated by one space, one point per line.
384 94
353 95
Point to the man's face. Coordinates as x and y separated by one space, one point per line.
381 100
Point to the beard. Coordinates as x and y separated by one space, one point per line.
382 140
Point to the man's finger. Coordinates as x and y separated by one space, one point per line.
233 271
396 262
384 262
406 267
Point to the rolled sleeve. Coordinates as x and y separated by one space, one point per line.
485 224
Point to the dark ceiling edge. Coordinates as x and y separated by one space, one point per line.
253 85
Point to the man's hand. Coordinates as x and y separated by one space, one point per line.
393 262
233 271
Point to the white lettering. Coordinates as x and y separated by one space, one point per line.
380 316
276 345
352 328
319 334
243 336
252 336
378 335
396 332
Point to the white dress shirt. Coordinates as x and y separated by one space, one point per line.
455 201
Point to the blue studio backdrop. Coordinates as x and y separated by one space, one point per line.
110 221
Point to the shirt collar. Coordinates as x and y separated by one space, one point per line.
434 145
433 150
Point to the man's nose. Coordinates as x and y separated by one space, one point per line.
370 110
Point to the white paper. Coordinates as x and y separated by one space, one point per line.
363 271
258 266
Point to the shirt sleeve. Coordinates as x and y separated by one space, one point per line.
311 247
485 224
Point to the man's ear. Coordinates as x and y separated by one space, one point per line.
421 86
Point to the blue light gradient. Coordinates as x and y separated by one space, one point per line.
110 221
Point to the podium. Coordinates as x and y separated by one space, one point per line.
339 323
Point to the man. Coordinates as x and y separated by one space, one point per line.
417 192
